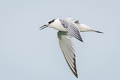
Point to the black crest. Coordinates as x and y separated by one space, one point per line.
51 21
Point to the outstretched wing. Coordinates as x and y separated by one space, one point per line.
72 29
68 51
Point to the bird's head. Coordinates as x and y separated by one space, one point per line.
47 25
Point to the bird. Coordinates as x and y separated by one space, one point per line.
69 28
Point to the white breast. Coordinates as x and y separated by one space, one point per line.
57 25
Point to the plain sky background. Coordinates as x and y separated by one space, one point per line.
26 53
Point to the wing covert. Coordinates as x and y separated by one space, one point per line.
72 29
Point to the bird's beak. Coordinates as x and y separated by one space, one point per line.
43 27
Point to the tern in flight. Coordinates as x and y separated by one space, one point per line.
68 28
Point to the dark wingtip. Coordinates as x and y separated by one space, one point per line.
98 31
76 75
81 40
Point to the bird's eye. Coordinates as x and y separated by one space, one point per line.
51 21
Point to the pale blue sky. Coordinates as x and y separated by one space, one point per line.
26 53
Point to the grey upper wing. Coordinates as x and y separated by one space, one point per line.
73 20
72 29
68 51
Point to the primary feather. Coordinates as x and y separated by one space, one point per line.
68 51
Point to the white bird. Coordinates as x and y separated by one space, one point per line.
68 28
